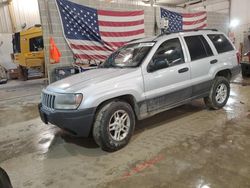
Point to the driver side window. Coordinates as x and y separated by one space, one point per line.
171 52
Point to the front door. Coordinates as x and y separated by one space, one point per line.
166 79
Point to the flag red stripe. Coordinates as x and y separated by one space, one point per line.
201 27
190 15
118 13
88 47
90 57
121 34
120 24
194 22
115 44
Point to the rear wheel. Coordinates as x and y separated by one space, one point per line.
114 125
219 93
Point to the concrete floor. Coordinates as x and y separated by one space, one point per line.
188 146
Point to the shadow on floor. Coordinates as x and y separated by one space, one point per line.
149 123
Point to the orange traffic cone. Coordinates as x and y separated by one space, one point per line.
54 52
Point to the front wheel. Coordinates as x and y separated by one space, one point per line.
219 93
114 125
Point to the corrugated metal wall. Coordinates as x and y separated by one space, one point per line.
5 23
24 11
220 6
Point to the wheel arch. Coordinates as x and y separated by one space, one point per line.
130 99
224 73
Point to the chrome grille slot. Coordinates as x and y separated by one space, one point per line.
48 100
53 101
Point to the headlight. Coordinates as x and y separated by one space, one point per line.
68 101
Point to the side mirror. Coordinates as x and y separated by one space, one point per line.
158 63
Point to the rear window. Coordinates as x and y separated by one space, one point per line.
198 47
221 43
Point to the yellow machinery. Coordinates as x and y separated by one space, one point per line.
28 50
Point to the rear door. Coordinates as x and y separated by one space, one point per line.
200 58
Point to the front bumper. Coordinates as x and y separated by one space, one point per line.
76 122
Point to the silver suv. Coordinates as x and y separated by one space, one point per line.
139 80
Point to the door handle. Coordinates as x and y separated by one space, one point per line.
183 70
213 61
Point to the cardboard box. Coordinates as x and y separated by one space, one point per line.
13 73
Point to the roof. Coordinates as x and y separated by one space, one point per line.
31 30
163 35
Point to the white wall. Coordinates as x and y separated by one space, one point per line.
240 10
6 50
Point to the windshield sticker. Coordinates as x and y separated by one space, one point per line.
146 44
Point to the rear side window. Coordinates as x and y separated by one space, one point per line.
221 43
198 47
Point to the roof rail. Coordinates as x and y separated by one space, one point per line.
212 29
189 30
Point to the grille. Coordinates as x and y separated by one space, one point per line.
48 100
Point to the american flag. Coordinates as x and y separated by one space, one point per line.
184 21
93 34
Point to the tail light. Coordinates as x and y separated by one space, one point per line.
238 57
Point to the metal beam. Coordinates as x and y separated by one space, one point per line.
8 3
5 3
46 2
12 16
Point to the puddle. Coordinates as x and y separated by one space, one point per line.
21 113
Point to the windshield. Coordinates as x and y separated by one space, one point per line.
130 55
36 44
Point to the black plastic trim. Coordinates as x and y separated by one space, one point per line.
77 122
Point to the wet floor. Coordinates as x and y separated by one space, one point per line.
188 146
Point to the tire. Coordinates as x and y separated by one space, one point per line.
4 179
109 122
212 101
244 73
25 73
22 73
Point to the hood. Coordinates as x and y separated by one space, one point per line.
84 79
